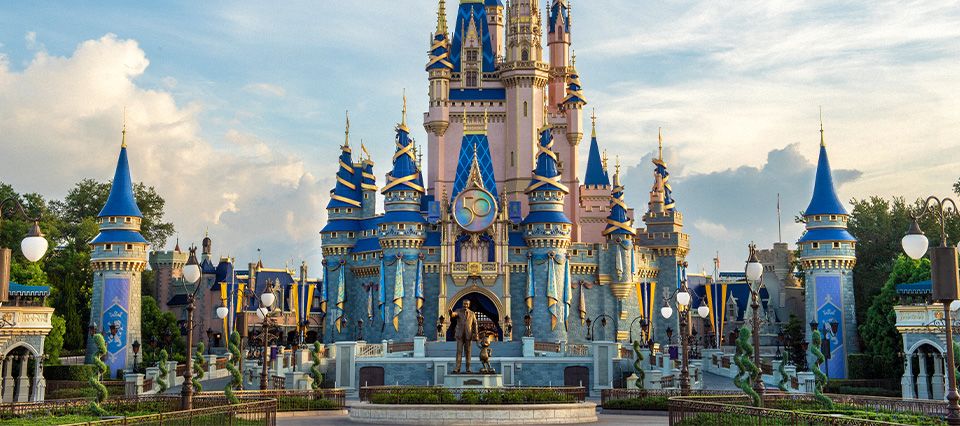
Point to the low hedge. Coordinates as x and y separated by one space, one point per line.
409 396
654 403
79 373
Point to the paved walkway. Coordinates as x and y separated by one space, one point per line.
715 382
652 419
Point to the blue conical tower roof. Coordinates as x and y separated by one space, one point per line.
121 201
546 177
346 193
405 175
473 13
596 175
618 222
825 199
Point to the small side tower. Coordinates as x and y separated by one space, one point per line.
620 235
337 239
594 193
402 233
828 255
167 267
437 119
665 237
495 24
547 233
368 186
118 256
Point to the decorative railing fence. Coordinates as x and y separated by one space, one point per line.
440 394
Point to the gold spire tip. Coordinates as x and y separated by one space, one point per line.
660 143
593 122
346 132
123 132
822 142
403 118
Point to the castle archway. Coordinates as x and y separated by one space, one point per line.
488 315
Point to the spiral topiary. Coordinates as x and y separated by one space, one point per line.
748 371
636 364
782 384
956 358
198 367
99 371
164 371
315 372
820 378
236 378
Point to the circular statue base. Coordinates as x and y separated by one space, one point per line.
580 412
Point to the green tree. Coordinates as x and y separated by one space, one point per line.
54 341
155 325
880 328
793 337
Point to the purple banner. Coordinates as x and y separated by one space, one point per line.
830 310
116 294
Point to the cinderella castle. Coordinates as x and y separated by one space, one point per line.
502 216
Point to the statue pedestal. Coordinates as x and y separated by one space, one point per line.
473 380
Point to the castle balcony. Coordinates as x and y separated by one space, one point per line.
486 271
24 320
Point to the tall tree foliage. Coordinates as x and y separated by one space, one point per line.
69 224
880 326
879 224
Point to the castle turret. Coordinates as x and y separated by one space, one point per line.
339 235
437 119
665 237
368 185
558 41
547 233
118 256
495 23
620 236
402 233
594 193
524 75
828 255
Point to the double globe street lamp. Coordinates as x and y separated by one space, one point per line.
191 276
684 298
945 280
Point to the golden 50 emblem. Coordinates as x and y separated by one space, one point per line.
475 209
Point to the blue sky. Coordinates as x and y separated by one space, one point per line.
235 108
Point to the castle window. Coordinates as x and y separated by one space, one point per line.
589 253
548 226
337 210
472 79
419 227
815 246
366 196
401 227
513 159
524 108
472 55
836 245
515 227
431 251
818 218
333 235
349 210
129 246
350 235
126 219
113 220
516 251
833 218
525 55
107 247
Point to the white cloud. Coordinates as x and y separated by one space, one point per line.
65 113
266 89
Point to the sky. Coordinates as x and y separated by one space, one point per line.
235 110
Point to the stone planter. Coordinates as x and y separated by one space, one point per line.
582 412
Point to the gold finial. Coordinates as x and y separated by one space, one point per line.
822 142
593 120
573 58
616 174
419 158
660 143
618 164
123 133
442 17
346 132
403 118
606 161
363 148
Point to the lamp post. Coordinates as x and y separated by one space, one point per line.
33 246
191 275
136 351
602 318
944 277
643 329
754 274
266 299
683 297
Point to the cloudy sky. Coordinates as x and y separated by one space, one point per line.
234 109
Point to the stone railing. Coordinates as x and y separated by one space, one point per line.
579 350
369 350
399 347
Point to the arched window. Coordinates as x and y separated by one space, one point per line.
524 108
471 80
525 55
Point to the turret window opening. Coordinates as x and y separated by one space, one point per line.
833 218
366 196
349 210
337 210
524 108
333 235
107 247
401 227
818 218
525 55
472 55
836 245
548 226
513 159
126 219
350 235
129 247
815 246
113 220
